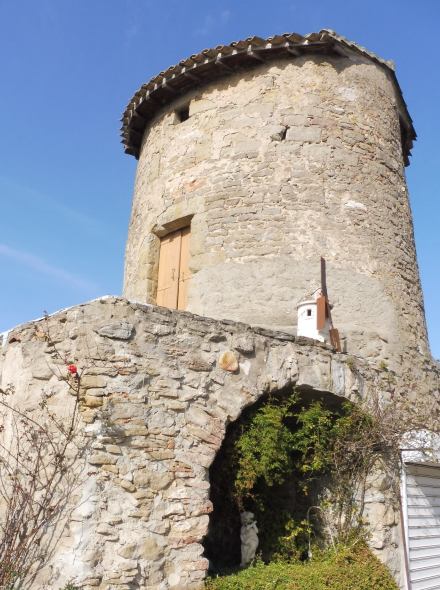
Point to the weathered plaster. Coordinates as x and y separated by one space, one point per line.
278 166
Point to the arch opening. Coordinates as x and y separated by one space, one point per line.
279 503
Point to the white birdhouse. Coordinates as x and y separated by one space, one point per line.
313 320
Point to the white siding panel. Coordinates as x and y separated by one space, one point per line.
420 480
424 470
424 491
424 563
423 501
425 585
423 522
424 541
424 551
429 522
429 511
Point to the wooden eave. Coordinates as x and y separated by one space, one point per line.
224 60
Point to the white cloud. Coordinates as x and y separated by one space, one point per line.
225 16
208 22
211 20
139 14
40 266
22 192
131 32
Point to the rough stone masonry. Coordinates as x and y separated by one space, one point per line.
280 162
158 390
290 148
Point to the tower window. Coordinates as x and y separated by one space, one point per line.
174 275
182 114
309 313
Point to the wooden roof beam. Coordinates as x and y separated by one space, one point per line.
190 75
292 50
167 86
251 53
256 50
219 62
340 50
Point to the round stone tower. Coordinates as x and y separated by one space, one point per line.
256 159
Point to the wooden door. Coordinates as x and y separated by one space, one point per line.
173 276
184 274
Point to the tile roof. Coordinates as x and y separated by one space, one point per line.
224 60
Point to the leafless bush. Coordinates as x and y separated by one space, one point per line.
38 451
368 442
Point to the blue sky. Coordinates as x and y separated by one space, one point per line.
68 68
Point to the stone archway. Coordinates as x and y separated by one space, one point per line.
284 503
157 400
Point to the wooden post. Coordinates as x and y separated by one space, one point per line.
323 277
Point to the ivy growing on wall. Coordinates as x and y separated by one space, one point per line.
301 469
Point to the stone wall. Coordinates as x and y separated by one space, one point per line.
279 165
158 390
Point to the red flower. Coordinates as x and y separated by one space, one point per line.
72 369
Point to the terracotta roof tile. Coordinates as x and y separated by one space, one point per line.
237 56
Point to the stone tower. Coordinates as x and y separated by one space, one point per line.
272 153
255 159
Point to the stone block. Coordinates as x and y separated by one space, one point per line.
96 392
127 485
228 361
92 402
110 468
141 478
150 484
93 381
117 330
108 531
199 362
127 551
304 134
88 416
128 564
198 416
243 343
148 549
102 459
114 449
42 371
159 481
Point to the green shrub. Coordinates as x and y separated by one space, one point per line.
346 568
301 469
281 457
264 449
